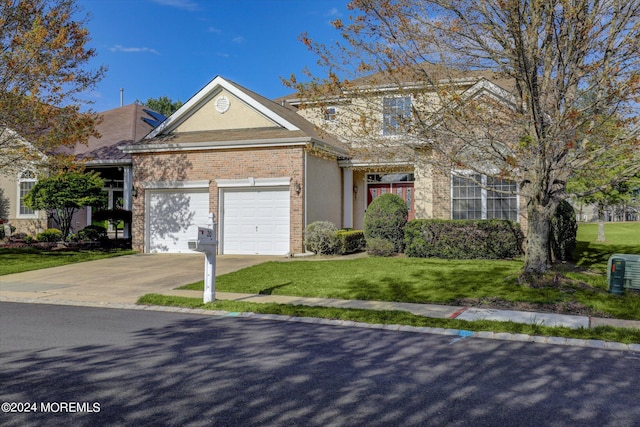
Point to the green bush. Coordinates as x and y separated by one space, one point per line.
564 230
463 239
49 235
93 233
351 241
320 237
380 247
385 219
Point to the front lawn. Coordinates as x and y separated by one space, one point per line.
17 260
575 288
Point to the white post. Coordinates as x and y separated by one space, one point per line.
210 266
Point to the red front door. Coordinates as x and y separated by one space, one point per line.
402 189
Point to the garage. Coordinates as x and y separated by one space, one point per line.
173 216
255 221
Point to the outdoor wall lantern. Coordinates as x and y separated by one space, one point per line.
355 190
297 187
134 192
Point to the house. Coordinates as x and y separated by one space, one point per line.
261 168
268 169
118 127
390 161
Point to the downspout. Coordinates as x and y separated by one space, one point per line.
304 194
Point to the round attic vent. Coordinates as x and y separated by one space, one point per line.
222 104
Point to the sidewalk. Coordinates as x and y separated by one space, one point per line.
427 310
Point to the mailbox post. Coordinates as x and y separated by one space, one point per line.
206 243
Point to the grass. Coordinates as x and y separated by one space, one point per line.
469 283
389 317
17 260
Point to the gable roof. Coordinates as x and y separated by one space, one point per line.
288 126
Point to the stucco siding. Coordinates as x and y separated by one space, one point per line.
238 116
323 190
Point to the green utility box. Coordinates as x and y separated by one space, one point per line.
623 272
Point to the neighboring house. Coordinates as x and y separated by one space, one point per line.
119 126
263 170
24 220
16 182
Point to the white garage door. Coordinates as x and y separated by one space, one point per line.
173 217
256 222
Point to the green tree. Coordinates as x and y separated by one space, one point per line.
535 130
163 105
44 71
63 194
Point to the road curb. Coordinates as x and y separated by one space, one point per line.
458 333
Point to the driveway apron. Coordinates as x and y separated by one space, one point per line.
121 279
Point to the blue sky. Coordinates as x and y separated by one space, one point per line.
173 48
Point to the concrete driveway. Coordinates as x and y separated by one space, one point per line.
119 280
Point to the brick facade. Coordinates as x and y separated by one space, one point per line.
209 165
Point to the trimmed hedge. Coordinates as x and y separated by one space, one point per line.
49 235
93 233
463 239
385 218
351 241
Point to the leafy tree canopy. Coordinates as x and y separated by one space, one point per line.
163 105
43 72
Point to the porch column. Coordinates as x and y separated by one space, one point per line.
347 198
127 196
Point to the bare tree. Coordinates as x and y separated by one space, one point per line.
526 118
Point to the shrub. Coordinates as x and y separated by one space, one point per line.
49 235
320 237
2 233
380 247
564 229
463 239
93 233
351 241
28 239
385 219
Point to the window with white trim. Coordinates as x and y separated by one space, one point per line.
494 199
25 183
396 111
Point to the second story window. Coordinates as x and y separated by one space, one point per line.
396 112
330 114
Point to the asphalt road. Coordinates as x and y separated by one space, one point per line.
155 368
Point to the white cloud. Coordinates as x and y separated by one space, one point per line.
181 4
223 54
238 40
119 48
214 30
333 12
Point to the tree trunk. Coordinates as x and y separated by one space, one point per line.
537 252
601 237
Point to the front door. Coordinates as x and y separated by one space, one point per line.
402 189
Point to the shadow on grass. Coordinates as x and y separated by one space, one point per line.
590 255
269 291
438 285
